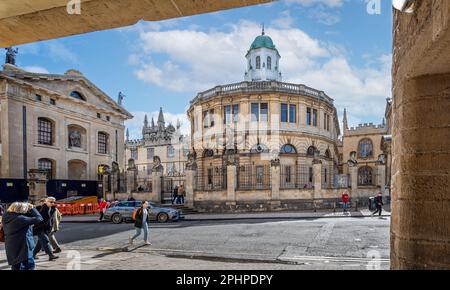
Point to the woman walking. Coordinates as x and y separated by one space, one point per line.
141 223
19 242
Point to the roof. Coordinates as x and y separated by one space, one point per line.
263 41
17 73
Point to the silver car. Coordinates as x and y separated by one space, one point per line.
123 211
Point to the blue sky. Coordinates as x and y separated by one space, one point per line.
331 45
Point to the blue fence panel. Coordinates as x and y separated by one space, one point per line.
12 190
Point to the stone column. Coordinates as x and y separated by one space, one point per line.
317 171
231 184
354 185
157 186
276 181
420 227
131 180
105 186
37 185
381 169
190 187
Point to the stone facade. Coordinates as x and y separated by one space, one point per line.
55 122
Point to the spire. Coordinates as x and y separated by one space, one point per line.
178 124
161 118
128 135
345 123
153 123
145 121
262 33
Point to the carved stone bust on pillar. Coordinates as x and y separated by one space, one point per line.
157 166
191 164
37 184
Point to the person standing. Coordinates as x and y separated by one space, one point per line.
43 229
141 223
102 205
345 200
56 221
19 242
175 194
181 194
2 210
379 204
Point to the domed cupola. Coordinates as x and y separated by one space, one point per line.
263 60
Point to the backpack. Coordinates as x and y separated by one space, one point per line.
133 216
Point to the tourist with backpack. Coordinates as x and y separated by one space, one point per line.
140 217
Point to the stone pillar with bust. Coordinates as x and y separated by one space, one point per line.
276 181
157 175
131 176
317 171
191 169
37 180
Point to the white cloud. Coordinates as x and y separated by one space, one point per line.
36 69
196 61
135 125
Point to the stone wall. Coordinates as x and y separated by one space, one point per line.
420 227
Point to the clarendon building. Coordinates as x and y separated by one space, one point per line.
165 142
263 143
57 128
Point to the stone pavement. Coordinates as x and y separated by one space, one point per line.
262 215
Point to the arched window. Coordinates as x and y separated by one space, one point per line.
365 176
327 153
311 150
170 151
259 148
102 143
258 62
269 63
77 95
288 149
365 148
45 131
46 165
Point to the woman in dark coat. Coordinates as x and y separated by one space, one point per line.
19 242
